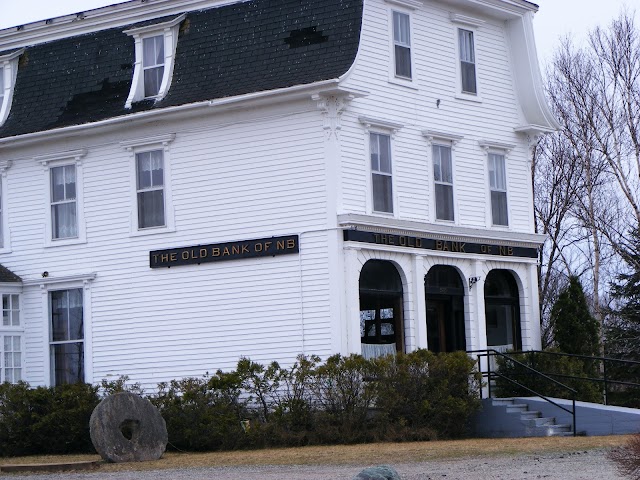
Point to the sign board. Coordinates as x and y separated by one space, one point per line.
218 252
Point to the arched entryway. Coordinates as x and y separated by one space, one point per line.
502 311
444 294
381 323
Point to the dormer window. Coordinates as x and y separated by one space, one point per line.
8 73
155 48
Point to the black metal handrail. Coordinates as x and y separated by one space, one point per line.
606 381
492 375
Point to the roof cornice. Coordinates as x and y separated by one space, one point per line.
222 104
112 16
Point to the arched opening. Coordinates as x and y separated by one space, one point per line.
502 311
381 326
444 294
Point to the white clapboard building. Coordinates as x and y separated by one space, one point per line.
187 182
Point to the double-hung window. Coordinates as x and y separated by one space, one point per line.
443 180
64 194
498 188
152 64
64 215
11 369
150 189
402 44
150 176
66 319
381 172
466 49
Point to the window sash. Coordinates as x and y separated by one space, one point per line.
66 315
499 213
67 362
10 358
467 61
381 172
497 172
10 310
402 44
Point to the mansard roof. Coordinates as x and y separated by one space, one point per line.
7 276
226 51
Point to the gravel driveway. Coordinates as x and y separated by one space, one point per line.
589 465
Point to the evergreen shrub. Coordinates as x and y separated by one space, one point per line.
418 396
53 420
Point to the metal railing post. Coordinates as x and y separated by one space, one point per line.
606 383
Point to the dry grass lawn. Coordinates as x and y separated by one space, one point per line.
352 454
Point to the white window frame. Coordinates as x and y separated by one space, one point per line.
142 145
5 236
383 127
471 24
49 284
169 31
434 137
73 157
502 149
9 72
404 7
12 331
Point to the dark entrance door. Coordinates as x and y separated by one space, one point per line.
444 296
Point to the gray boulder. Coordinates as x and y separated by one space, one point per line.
125 427
380 472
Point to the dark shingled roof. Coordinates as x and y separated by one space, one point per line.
231 50
7 276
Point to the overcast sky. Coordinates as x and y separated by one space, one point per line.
555 19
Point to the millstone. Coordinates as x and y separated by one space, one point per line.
381 472
125 427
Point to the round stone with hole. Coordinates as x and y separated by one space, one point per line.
128 428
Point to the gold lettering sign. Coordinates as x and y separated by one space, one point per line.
198 254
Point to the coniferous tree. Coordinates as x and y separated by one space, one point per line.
575 329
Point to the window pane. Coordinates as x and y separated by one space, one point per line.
499 208
385 153
151 208
59 315
403 61
442 168
497 174
401 28
156 168
70 182
375 151
149 169
76 329
57 184
63 217
444 202
468 71
153 51
68 363
143 168
152 81
382 195
467 53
